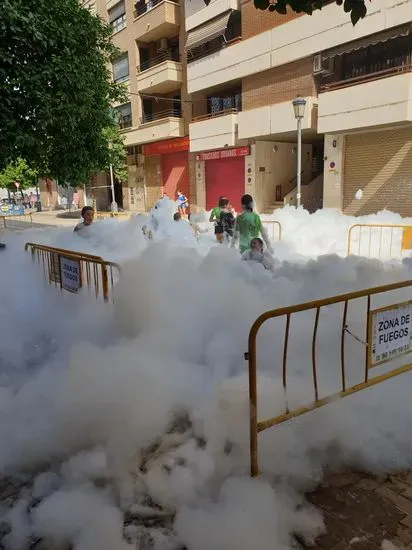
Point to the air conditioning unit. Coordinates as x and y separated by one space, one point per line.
161 45
323 66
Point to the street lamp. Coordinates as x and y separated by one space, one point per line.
113 207
299 105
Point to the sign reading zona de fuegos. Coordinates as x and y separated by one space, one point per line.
70 270
391 333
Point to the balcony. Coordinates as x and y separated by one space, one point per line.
369 100
196 17
161 74
276 120
154 127
125 122
330 26
213 131
156 19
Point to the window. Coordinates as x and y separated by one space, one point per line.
124 115
121 68
117 17
132 196
225 101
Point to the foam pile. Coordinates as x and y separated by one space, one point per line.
126 426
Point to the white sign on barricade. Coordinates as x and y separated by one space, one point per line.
70 270
390 331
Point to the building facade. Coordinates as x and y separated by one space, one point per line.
210 104
150 35
244 68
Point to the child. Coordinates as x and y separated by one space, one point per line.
177 217
226 220
257 254
88 216
182 203
248 226
215 217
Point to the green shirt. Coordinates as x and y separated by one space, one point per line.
215 213
248 225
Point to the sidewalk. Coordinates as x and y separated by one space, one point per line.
361 512
50 218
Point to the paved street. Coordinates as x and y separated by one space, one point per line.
51 218
361 512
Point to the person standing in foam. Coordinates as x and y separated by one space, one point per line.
249 226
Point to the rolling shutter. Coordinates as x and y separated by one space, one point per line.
225 177
379 163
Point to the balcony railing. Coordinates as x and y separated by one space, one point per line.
216 114
168 55
160 115
141 8
366 77
210 48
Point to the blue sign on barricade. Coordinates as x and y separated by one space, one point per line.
11 210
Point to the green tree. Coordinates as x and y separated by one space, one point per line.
18 171
55 87
356 8
117 153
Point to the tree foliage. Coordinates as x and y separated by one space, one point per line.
117 154
18 170
356 8
55 87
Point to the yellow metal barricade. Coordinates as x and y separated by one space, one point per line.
379 241
22 221
274 230
73 271
376 320
119 215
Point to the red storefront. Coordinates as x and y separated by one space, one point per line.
174 164
224 175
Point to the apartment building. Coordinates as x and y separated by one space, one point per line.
154 121
244 68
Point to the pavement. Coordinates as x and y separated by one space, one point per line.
39 220
50 218
364 512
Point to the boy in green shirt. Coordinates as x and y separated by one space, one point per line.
248 226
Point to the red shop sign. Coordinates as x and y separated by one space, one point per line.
224 153
166 146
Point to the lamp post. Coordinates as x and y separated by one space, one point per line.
113 206
299 105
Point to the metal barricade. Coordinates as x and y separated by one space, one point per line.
73 271
274 230
379 241
379 324
17 221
